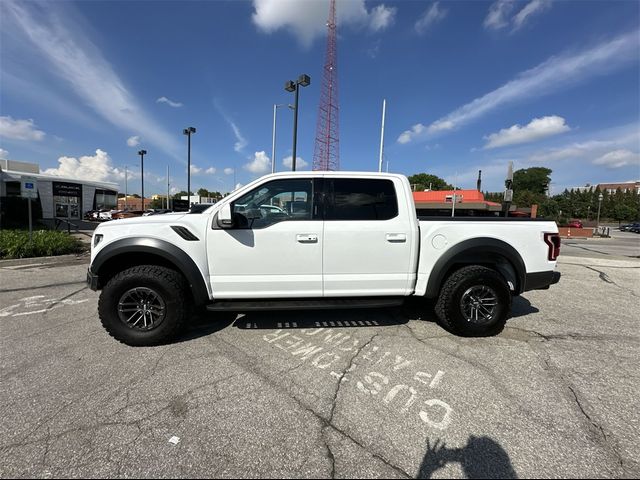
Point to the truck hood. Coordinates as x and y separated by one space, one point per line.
158 219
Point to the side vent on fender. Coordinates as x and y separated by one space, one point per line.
184 233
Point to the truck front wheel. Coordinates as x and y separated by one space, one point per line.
144 305
475 301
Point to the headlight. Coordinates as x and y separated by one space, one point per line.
97 238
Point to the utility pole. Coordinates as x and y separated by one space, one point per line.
125 187
142 153
384 107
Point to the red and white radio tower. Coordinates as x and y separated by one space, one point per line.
326 154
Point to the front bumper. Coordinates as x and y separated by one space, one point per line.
541 280
92 280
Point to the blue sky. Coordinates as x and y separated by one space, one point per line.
469 85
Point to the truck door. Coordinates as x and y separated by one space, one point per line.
274 249
367 243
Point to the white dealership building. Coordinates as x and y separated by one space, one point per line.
60 197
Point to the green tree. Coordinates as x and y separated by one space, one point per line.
157 203
534 179
203 192
180 194
424 181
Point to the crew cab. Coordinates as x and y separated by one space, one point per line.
331 240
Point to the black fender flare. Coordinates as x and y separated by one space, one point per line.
155 246
478 251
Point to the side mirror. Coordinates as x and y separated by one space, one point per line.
225 219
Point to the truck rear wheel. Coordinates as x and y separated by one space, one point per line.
144 305
475 301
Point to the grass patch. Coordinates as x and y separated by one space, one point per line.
46 243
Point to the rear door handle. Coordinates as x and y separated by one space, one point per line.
396 237
307 238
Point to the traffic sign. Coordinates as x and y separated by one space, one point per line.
29 187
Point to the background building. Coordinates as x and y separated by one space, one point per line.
58 197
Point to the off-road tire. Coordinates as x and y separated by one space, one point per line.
448 307
168 284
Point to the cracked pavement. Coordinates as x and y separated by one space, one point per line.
372 393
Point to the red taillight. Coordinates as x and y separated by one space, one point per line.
553 242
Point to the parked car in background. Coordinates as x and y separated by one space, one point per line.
574 224
127 214
156 211
91 215
200 207
107 214
629 226
635 228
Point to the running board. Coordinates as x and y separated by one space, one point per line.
304 304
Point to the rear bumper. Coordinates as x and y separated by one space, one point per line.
92 280
541 280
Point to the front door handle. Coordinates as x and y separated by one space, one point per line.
396 237
307 238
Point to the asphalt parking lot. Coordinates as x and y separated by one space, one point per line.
325 394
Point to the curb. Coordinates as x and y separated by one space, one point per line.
84 257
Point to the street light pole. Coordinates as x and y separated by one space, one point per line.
142 153
273 141
291 86
600 197
125 187
188 131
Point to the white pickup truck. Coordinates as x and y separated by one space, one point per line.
309 240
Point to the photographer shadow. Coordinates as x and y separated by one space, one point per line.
481 457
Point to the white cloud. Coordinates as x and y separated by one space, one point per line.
79 62
431 16
537 129
309 22
97 167
381 17
498 14
260 164
169 102
133 141
3 154
241 142
19 129
228 171
210 170
300 162
532 8
550 76
408 135
195 170
618 158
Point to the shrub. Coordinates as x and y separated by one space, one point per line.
16 244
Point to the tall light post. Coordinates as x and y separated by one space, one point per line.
125 188
291 86
188 131
142 153
273 143
600 197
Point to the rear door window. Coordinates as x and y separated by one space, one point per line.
360 199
